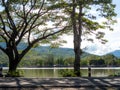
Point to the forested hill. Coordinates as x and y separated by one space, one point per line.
50 56
62 52
43 50
115 53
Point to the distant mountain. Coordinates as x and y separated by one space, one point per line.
63 52
116 53
98 49
21 46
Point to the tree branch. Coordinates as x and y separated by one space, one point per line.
6 5
4 27
2 49
37 40
4 38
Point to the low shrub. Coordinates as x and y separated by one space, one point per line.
17 73
68 73
115 75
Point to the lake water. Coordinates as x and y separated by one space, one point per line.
56 72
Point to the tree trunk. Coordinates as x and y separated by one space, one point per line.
77 30
13 61
13 65
77 57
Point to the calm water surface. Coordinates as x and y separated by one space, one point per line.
56 72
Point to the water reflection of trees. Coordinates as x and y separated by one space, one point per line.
42 73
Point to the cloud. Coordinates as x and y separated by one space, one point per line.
113 43
114 36
69 39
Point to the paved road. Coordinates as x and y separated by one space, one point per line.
73 83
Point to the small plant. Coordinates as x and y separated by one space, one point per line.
17 73
68 73
115 75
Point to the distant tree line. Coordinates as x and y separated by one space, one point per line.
51 60
34 59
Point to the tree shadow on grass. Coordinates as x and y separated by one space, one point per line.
72 83
105 83
78 83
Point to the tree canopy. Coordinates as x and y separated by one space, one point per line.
85 23
29 21
43 21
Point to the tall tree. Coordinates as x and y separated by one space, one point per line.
29 21
77 37
85 23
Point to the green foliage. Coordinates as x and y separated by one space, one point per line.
3 59
21 18
69 61
68 73
84 62
59 61
60 57
17 73
115 75
109 59
29 20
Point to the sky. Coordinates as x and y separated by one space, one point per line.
113 38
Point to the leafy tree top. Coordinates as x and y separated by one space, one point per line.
90 25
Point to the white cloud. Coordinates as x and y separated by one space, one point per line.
69 39
113 43
113 38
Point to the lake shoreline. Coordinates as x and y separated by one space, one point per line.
43 72
64 67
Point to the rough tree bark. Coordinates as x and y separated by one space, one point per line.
77 31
